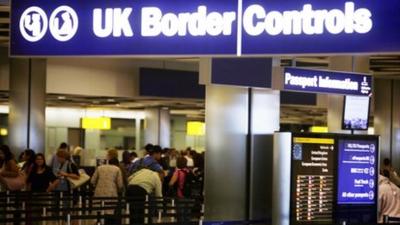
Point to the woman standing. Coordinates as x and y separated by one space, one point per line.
29 160
67 169
41 179
10 178
177 182
108 182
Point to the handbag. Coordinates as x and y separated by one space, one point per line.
83 178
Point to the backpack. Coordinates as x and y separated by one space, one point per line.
139 166
190 180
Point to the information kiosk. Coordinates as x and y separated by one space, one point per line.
333 179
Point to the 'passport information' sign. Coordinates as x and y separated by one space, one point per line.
320 81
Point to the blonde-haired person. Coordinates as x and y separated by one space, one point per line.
66 169
108 182
112 154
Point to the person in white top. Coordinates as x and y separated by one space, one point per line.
189 158
389 199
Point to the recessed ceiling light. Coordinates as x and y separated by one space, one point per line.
110 100
62 97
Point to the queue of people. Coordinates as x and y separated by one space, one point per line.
161 172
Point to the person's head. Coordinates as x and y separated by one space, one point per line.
386 162
149 147
156 152
132 156
62 155
126 157
64 146
29 155
112 153
113 161
40 161
181 162
386 173
5 153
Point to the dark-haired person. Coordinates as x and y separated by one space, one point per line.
150 161
124 165
108 182
178 179
42 178
9 172
29 160
389 170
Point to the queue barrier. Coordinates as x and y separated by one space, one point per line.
391 220
25 207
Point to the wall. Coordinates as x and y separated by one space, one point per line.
4 69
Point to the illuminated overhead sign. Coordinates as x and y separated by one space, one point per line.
202 27
346 83
98 123
196 128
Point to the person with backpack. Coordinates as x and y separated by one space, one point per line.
180 187
180 181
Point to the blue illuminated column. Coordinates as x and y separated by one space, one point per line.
27 104
335 102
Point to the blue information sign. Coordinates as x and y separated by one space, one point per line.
321 81
203 27
357 172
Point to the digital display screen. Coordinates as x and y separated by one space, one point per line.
312 180
357 171
356 113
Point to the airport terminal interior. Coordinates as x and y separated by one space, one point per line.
199 112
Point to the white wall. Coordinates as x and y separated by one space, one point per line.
102 76
96 77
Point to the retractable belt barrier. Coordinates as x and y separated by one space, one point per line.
81 206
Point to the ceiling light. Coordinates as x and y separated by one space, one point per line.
110 100
61 97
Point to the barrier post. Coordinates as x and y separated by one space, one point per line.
202 212
173 211
159 219
68 219
98 218
146 210
80 209
102 212
8 202
44 215
127 212
61 206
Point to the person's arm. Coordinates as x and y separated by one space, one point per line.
74 172
120 182
11 169
158 187
54 182
174 179
53 185
95 177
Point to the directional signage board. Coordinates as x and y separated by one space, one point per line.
357 171
202 27
322 81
